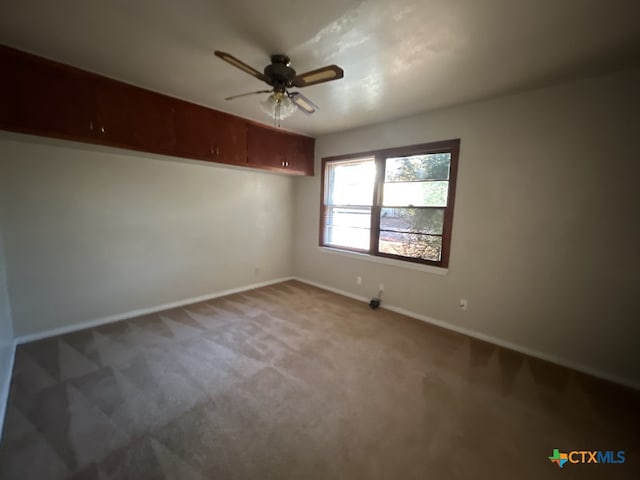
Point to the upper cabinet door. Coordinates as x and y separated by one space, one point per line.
278 150
264 147
231 139
209 135
300 154
46 98
131 117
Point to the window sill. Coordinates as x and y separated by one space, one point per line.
386 261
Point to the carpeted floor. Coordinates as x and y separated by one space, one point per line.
293 382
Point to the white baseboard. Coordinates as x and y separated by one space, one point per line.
6 386
96 322
487 338
334 290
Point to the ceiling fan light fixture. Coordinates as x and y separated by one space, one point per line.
280 76
278 106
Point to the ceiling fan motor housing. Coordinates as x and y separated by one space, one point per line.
279 74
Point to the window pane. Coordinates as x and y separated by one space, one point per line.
347 237
418 194
434 166
413 245
348 227
412 220
351 183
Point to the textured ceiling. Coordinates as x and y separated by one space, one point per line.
400 57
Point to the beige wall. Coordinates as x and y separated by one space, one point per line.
6 325
6 333
546 232
91 232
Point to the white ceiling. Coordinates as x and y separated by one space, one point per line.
400 57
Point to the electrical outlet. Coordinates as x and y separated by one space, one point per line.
381 287
463 304
359 280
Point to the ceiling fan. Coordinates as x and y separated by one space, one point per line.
281 102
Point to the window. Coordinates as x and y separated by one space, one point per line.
395 203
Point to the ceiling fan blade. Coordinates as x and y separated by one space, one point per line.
240 64
245 94
320 75
303 103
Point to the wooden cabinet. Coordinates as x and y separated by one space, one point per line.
131 117
277 150
42 97
300 154
210 135
264 147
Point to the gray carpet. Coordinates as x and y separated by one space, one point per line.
293 382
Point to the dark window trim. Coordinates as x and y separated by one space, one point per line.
450 146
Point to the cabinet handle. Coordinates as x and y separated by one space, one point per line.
92 127
215 151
